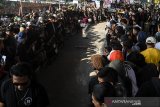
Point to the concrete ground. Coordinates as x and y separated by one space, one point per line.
66 79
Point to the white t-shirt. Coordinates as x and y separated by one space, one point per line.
157 45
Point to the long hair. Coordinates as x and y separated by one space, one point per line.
96 61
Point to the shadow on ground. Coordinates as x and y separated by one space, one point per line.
66 79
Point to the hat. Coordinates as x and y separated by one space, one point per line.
151 40
140 9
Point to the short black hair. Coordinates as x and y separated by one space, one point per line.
128 44
21 69
136 58
102 90
108 74
115 44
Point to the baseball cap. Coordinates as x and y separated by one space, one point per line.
151 40
140 9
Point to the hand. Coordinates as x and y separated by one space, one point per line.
94 73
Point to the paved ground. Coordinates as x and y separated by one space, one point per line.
66 79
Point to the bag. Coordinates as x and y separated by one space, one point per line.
131 80
120 90
123 87
126 86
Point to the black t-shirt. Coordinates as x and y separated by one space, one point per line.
34 96
148 90
93 81
24 52
146 73
10 46
24 98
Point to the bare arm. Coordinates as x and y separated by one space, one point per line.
1 104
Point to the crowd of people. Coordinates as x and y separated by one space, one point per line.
29 41
130 64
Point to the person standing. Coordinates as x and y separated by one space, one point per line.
151 54
10 45
21 90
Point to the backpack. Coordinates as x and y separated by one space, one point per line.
131 80
120 90
127 84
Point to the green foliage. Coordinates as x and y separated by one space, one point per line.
2 1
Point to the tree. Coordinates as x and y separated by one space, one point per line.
2 2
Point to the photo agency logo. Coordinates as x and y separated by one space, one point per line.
131 101
123 102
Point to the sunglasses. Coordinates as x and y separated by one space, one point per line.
20 84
